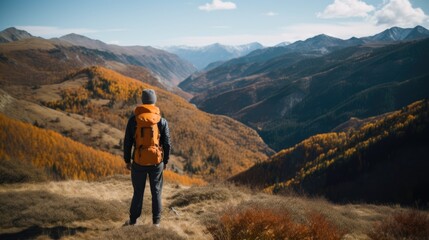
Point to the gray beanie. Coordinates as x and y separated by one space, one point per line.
148 96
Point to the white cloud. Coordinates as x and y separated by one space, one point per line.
271 14
51 31
217 5
346 8
399 13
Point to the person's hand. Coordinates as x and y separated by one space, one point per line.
128 166
165 166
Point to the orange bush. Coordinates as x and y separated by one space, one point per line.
410 225
321 228
261 223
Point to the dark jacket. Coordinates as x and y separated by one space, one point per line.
130 133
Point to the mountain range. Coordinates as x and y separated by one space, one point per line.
308 87
170 68
23 55
201 57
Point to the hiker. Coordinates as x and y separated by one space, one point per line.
148 133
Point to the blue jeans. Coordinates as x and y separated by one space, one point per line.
138 178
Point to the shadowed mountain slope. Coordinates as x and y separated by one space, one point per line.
383 161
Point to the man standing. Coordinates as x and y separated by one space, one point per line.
148 135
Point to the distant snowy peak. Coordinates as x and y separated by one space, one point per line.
201 57
392 34
248 47
229 48
283 44
417 32
400 34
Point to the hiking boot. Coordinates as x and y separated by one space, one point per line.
129 223
156 222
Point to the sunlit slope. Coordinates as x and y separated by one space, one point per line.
213 146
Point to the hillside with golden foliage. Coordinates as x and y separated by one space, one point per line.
60 157
24 147
385 160
212 146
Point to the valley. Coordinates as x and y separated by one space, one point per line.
290 93
322 138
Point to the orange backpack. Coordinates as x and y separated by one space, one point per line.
147 149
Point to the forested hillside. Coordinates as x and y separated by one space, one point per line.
385 160
29 153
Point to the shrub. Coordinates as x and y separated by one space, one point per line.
13 171
410 225
199 194
263 223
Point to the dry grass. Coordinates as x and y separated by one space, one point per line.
271 223
97 209
409 225
12 171
200 194
39 208
141 232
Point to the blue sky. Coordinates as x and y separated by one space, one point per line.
202 22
